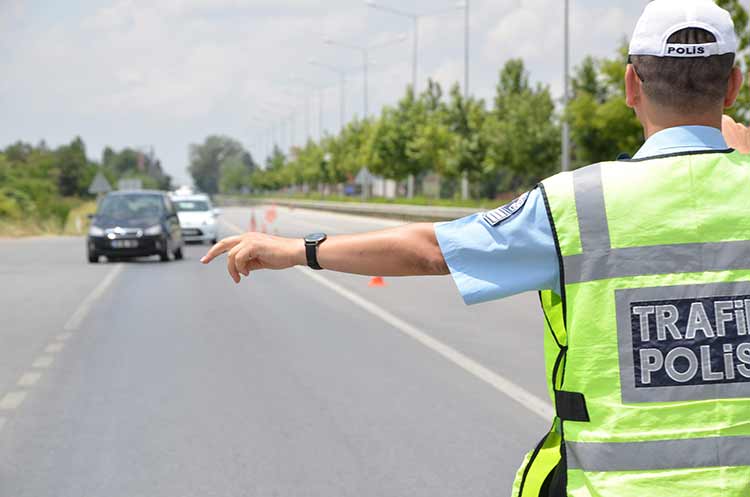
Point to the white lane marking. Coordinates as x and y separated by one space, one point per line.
500 383
528 400
62 337
12 400
82 311
43 362
29 379
53 348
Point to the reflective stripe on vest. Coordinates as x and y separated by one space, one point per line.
656 455
600 261
654 318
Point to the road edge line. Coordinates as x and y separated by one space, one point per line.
84 307
505 386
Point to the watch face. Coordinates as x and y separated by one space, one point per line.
316 238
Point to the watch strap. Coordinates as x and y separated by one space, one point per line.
311 250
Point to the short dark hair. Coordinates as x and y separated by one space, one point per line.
696 84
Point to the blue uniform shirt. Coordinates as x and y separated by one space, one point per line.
518 254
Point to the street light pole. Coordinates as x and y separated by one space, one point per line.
415 56
566 91
415 18
465 175
467 26
342 88
365 51
365 65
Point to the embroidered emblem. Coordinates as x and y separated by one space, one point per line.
493 218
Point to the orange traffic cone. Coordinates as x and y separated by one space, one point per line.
377 281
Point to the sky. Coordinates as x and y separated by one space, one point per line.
168 73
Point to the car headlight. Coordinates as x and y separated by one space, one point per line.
153 230
96 231
209 222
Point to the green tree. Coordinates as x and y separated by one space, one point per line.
741 110
73 167
522 135
466 119
602 125
206 160
396 128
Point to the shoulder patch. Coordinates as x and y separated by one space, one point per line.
493 218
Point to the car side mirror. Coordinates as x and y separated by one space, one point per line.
217 212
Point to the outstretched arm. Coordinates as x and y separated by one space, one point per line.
410 250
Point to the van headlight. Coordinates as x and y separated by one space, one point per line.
153 230
95 231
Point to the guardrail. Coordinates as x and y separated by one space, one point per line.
393 211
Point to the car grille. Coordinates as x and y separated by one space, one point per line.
192 232
124 233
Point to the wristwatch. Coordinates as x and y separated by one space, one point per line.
312 242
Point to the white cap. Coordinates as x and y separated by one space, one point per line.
663 18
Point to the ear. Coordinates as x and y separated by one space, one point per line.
633 87
734 88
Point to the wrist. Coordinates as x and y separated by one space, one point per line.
299 255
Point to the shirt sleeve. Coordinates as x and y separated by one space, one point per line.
492 262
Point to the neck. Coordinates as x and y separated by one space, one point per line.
651 126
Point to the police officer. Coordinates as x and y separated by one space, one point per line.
643 267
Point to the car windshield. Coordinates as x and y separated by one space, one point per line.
131 206
191 205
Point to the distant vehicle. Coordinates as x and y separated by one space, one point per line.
135 224
197 218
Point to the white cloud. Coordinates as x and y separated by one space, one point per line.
167 72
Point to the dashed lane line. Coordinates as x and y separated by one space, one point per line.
43 362
83 309
505 386
53 348
29 379
12 400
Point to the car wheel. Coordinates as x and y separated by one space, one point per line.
164 255
178 254
93 258
214 241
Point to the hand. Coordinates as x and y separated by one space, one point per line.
736 135
253 251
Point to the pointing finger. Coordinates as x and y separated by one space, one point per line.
220 248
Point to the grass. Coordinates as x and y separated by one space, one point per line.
77 224
421 201
78 221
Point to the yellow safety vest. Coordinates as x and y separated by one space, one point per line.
648 347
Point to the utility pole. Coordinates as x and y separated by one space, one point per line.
465 175
566 91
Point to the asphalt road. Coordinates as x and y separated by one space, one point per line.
151 379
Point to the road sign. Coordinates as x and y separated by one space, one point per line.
99 185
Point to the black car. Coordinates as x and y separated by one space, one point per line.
135 224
